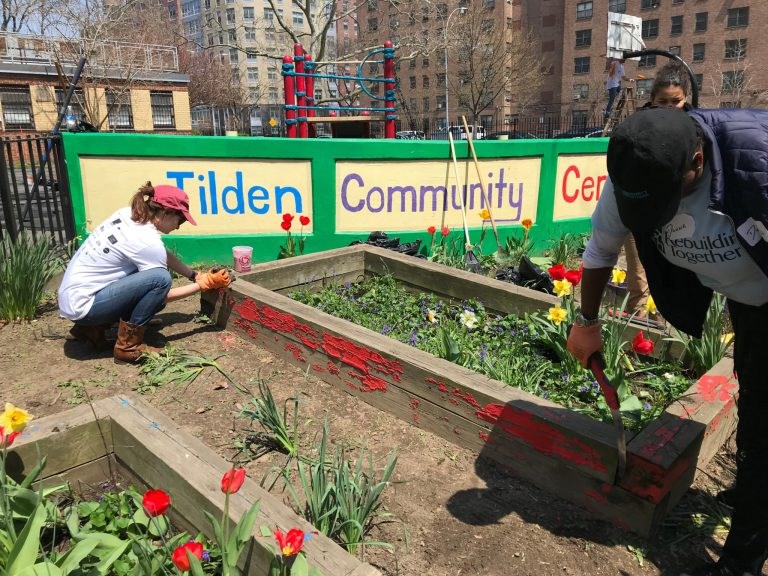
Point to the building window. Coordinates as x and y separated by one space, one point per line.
581 65
648 4
425 62
701 21
617 6
273 94
249 13
412 82
698 52
250 34
253 75
271 73
644 86
76 102
738 17
678 1
699 80
373 24
650 28
298 18
441 80
425 81
425 102
17 107
583 10
120 112
647 61
230 15
736 49
730 105
579 119
233 56
677 25
580 91
162 109
373 5
583 38
733 80
412 63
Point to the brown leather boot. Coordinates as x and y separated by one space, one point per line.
92 334
130 343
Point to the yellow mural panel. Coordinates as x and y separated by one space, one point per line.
580 179
414 195
226 196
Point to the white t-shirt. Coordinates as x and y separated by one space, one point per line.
696 239
614 80
117 248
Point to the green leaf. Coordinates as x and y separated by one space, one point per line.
75 555
194 565
217 533
41 569
244 528
159 526
265 531
31 478
24 551
300 566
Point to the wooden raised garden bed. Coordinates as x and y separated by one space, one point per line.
553 447
125 437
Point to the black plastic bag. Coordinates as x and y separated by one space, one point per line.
531 276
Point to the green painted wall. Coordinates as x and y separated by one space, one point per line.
323 155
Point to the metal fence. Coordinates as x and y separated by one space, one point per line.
534 126
34 190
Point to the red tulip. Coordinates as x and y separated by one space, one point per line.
557 272
7 439
232 480
180 558
642 345
431 230
573 276
445 231
304 220
290 543
287 217
155 502
285 225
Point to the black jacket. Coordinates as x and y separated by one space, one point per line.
736 152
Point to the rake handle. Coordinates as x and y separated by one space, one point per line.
482 181
461 193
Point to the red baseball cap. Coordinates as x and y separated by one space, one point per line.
173 198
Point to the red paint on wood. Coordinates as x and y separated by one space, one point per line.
541 436
332 368
717 387
414 404
725 413
660 438
595 495
248 328
484 437
467 397
295 351
415 417
318 368
442 387
651 481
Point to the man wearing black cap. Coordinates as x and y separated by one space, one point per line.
692 188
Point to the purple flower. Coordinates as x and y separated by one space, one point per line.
646 406
386 329
206 556
483 350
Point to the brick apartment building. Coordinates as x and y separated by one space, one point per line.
721 40
32 92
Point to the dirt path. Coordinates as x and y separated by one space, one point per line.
452 513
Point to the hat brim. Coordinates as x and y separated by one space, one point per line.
651 212
188 216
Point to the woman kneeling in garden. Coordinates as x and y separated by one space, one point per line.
120 273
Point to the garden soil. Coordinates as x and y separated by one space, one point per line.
451 512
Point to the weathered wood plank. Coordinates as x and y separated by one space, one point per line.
156 450
367 364
84 430
307 270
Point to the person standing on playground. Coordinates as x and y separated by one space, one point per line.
613 83
692 189
120 273
670 88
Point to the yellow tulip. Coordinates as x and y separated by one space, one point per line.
618 276
14 419
562 288
557 315
650 305
485 214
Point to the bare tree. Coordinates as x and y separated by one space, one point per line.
120 42
734 82
493 60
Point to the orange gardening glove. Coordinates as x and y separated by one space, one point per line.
583 341
213 280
